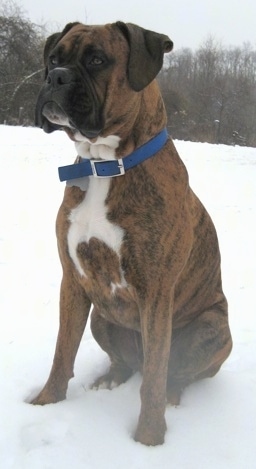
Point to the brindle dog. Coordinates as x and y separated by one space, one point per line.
140 248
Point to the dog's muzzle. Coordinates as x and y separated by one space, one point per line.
60 106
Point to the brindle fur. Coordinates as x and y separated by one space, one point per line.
170 320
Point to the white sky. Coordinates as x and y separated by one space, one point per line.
187 22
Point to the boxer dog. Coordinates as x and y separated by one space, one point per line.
134 240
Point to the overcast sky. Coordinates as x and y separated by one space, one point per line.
187 22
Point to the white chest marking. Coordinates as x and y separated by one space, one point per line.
89 219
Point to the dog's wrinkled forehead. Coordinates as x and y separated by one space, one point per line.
77 39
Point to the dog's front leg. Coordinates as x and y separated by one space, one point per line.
156 329
74 311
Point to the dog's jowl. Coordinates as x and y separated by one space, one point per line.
134 240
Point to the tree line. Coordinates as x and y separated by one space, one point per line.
209 93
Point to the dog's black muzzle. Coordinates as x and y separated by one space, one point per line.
68 101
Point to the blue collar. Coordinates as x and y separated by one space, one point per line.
112 168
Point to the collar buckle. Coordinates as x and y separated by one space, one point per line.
118 163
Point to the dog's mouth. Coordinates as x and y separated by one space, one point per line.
53 117
54 113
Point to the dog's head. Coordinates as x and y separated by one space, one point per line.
94 74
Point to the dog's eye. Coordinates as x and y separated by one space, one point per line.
96 61
53 60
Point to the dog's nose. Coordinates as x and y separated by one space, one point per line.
59 76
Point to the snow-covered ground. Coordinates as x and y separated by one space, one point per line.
215 425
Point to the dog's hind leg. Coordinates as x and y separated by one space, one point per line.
198 351
123 346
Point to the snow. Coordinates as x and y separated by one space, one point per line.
215 425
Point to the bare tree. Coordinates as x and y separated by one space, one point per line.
21 44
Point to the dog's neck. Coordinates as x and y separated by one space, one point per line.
104 148
107 168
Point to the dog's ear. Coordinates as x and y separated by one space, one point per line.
52 40
147 50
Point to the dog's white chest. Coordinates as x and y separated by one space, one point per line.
89 219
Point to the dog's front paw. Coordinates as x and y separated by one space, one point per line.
47 397
150 434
